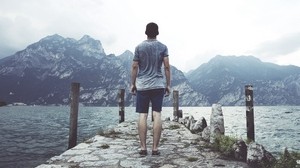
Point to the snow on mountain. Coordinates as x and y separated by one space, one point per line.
223 79
43 72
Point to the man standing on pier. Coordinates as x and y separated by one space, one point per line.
148 84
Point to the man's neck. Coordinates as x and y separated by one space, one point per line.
151 38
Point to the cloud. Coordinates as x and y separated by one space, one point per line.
194 30
25 22
284 50
15 33
282 46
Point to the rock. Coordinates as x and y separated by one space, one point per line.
187 121
168 119
51 166
240 150
175 119
216 122
181 121
206 134
199 125
192 122
178 147
257 156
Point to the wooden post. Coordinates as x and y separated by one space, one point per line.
179 113
73 115
121 105
249 112
175 104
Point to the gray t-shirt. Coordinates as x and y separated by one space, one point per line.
150 55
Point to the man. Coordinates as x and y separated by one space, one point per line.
148 84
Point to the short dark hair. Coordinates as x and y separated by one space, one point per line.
151 30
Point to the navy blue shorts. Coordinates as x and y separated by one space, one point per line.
143 98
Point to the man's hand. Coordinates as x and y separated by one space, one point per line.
133 89
167 91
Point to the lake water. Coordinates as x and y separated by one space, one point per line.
30 135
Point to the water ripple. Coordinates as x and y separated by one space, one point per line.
31 135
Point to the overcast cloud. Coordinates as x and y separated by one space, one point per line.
194 30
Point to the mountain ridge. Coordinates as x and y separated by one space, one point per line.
42 73
225 76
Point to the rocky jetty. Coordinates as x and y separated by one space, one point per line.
254 154
118 147
184 143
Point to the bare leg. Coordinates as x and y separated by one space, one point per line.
157 126
142 128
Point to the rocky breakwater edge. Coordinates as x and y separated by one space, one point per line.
184 143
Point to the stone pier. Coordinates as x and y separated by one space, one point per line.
118 148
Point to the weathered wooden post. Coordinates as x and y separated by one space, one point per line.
175 104
249 112
179 113
73 114
121 105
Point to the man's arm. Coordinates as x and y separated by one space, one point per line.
134 71
168 75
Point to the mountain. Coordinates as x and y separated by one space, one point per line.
43 72
187 96
223 78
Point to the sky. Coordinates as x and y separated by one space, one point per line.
195 31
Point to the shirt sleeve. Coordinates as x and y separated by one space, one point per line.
136 55
166 52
